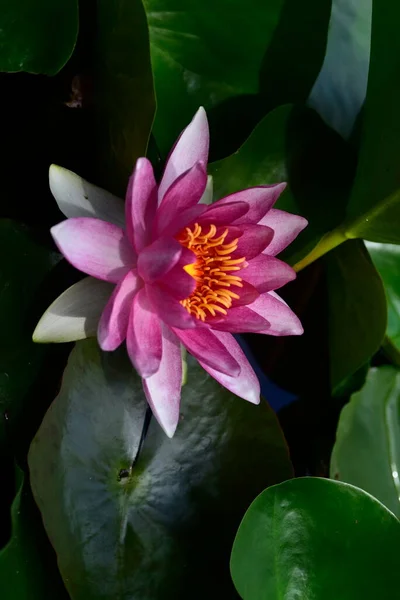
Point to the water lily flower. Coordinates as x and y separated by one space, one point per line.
169 269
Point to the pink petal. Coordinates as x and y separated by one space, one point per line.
95 247
276 311
205 346
158 258
224 214
186 218
247 293
190 148
245 385
267 273
254 239
184 193
286 229
177 281
114 320
141 204
260 199
143 340
239 320
169 308
163 389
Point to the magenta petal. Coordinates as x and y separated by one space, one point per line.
254 239
184 193
143 340
177 282
95 247
184 219
141 204
190 148
276 311
247 293
169 308
260 199
163 389
158 258
205 346
245 385
239 320
286 229
224 214
114 320
267 273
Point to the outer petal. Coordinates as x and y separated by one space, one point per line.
245 385
79 198
286 229
190 148
114 320
169 309
254 239
205 346
141 204
95 247
267 273
143 340
158 258
184 193
260 199
163 389
276 311
75 314
240 320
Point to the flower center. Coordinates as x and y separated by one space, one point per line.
212 271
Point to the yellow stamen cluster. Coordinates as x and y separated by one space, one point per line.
211 271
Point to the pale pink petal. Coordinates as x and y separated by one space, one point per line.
276 311
286 229
141 204
186 218
190 148
143 339
163 389
245 385
169 308
205 346
224 214
239 320
267 273
95 247
260 199
157 259
114 320
184 193
254 239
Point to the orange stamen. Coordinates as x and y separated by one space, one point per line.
212 271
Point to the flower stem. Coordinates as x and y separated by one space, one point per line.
328 242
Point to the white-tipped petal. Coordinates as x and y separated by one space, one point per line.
75 314
79 198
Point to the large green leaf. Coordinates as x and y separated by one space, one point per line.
316 538
367 449
28 569
37 36
123 90
244 58
163 527
25 264
357 309
386 258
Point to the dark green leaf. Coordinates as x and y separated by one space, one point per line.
25 263
28 569
316 538
386 258
367 449
357 309
123 90
243 59
37 36
149 532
